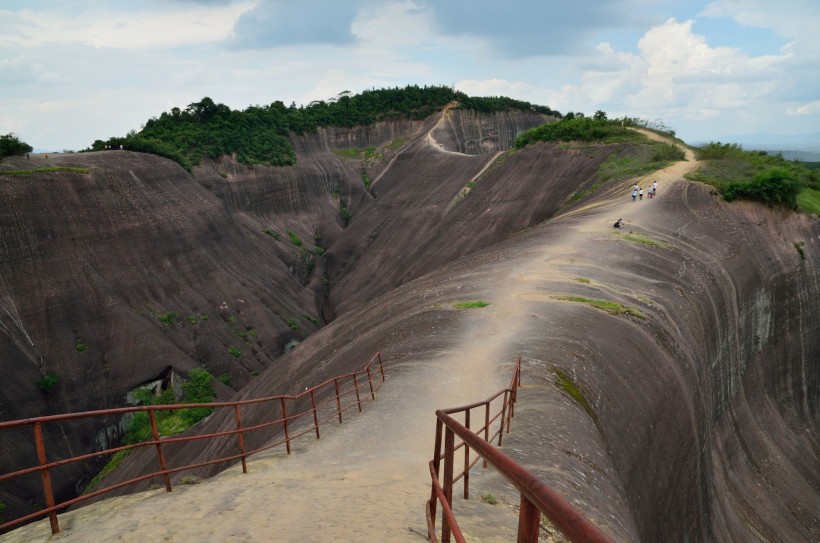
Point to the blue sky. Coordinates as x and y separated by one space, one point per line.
75 71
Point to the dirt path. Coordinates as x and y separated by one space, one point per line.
366 480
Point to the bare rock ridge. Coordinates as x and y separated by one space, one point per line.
700 419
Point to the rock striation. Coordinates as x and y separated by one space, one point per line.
695 401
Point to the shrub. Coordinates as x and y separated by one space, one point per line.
10 145
168 318
293 323
47 382
225 379
80 346
233 351
345 215
191 319
773 186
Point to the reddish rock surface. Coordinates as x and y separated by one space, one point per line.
702 417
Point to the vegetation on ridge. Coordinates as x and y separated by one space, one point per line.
10 145
259 134
757 175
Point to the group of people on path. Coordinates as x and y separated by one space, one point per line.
637 192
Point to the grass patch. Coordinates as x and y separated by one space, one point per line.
233 351
225 379
396 143
345 215
80 347
271 233
189 480
45 170
311 319
581 280
575 391
808 200
112 464
613 308
364 153
292 323
488 498
644 239
294 239
470 305
652 156
192 319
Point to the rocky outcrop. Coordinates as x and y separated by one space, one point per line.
696 400
111 277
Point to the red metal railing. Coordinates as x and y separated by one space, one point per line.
333 402
536 497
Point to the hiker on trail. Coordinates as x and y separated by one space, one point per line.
640 194
635 188
619 223
654 187
634 194
650 192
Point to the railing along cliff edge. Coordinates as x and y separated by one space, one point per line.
336 389
536 497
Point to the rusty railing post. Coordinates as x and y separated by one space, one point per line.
241 436
285 422
486 427
437 469
161 457
529 522
466 458
381 365
338 400
315 416
370 382
356 386
449 453
503 414
45 476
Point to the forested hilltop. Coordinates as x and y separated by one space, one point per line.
259 134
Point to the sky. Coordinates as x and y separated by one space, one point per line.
75 71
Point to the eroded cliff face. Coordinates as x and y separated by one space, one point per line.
702 418
95 265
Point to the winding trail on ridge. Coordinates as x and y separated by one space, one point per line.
368 479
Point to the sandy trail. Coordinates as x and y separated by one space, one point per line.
366 480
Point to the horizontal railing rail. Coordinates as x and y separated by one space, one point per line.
536 497
322 403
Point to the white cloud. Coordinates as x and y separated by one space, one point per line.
811 108
393 24
106 26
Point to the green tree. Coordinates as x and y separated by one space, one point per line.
10 145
